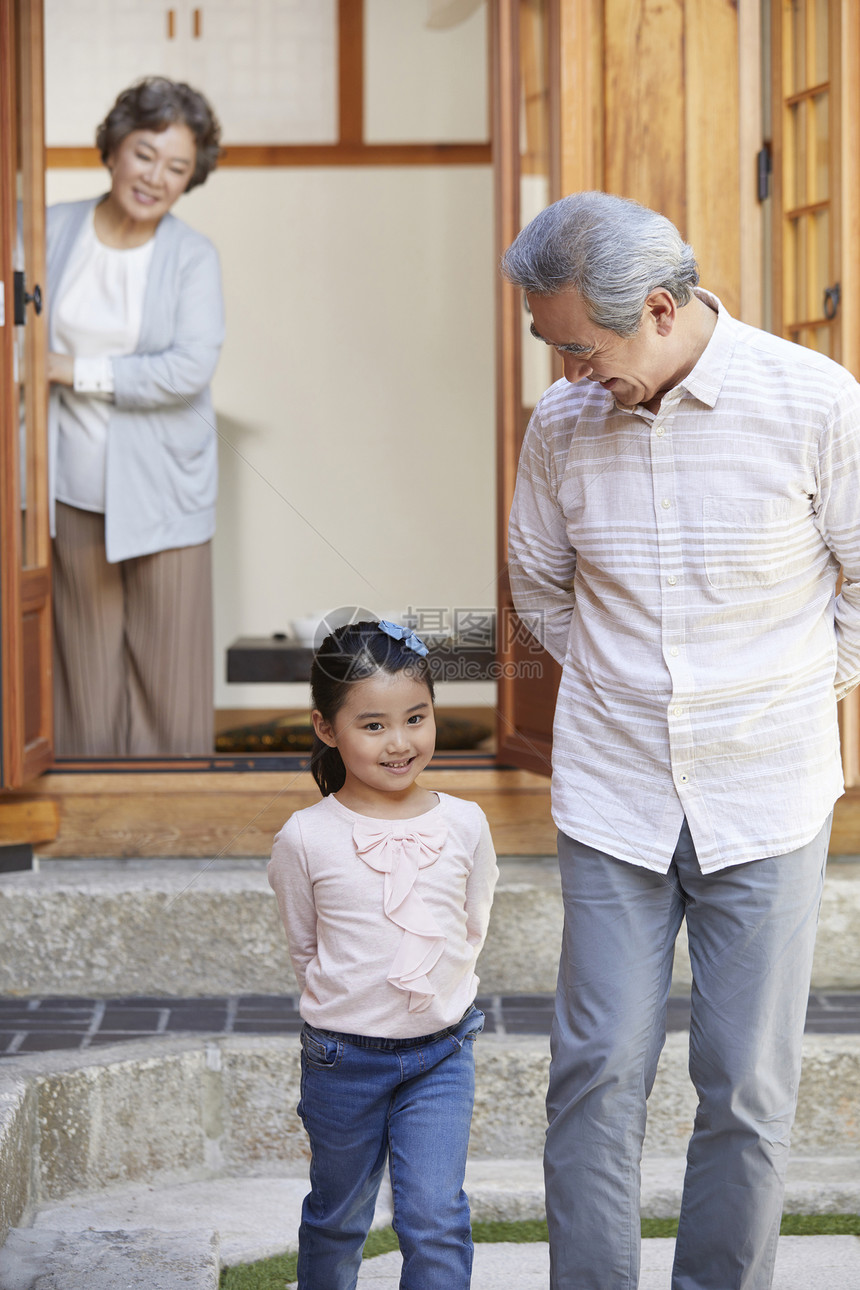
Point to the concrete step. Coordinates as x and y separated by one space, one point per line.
161 1111
110 1158
186 928
143 1259
509 1119
802 1263
258 1217
513 1190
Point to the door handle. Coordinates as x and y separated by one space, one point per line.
831 300
24 298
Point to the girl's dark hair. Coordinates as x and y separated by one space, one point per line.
353 653
155 103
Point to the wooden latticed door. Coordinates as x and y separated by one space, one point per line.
25 603
526 157
815 78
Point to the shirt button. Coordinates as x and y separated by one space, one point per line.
674 651
678 712
661 430
665 503
671 580
683 779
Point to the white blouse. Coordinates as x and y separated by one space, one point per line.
97 315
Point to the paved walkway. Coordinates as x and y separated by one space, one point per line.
39 1025
256 1217
802 1263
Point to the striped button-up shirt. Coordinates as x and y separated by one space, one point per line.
682 567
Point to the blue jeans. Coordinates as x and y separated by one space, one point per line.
410 1100
751 930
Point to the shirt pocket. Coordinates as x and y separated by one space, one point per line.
746 541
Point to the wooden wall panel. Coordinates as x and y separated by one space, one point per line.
650 105
644 115
711 77
751 212
581 96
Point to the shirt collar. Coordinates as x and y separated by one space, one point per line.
706 379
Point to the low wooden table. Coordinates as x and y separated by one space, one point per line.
253 659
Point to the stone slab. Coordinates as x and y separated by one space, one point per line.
17 1128
97 929
510 1118
109 1260
259 1217
187 927
513 1190
255 1217
802 1263
164 1109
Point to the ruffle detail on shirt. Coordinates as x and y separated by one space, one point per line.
398 852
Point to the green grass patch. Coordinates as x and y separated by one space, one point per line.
820 1225
268 1274
275 1273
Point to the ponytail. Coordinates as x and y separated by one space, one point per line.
327 767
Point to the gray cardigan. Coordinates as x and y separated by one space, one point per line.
162 450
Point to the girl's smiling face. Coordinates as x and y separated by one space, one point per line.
385 734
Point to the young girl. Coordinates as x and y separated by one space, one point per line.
384 888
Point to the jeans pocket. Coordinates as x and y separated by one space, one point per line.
320 1051
469 1028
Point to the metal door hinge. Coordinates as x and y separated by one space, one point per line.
764 166
832 296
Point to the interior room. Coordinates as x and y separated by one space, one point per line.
354 395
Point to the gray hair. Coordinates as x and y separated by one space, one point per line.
612 251
154 103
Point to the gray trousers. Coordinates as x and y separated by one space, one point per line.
751 930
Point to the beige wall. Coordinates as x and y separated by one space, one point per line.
354 394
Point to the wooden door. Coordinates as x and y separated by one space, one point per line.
526 158
815 108
635 97
25 605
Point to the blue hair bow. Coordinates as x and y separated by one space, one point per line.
405 634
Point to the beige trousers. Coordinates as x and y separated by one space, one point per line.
133 653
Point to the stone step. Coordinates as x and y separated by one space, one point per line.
513 1190
107 928
802 1263
258 1217
143 1259
161 1111
512 1071
109 1156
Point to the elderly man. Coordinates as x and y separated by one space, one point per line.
686 497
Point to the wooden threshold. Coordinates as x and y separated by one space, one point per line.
199 814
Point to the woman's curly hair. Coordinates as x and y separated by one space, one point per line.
155 103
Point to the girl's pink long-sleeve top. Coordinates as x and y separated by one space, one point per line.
385 918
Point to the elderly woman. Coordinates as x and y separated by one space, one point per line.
135 327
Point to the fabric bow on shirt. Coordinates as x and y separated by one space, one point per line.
398 852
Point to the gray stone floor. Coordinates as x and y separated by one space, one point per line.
43 1024
802 1263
